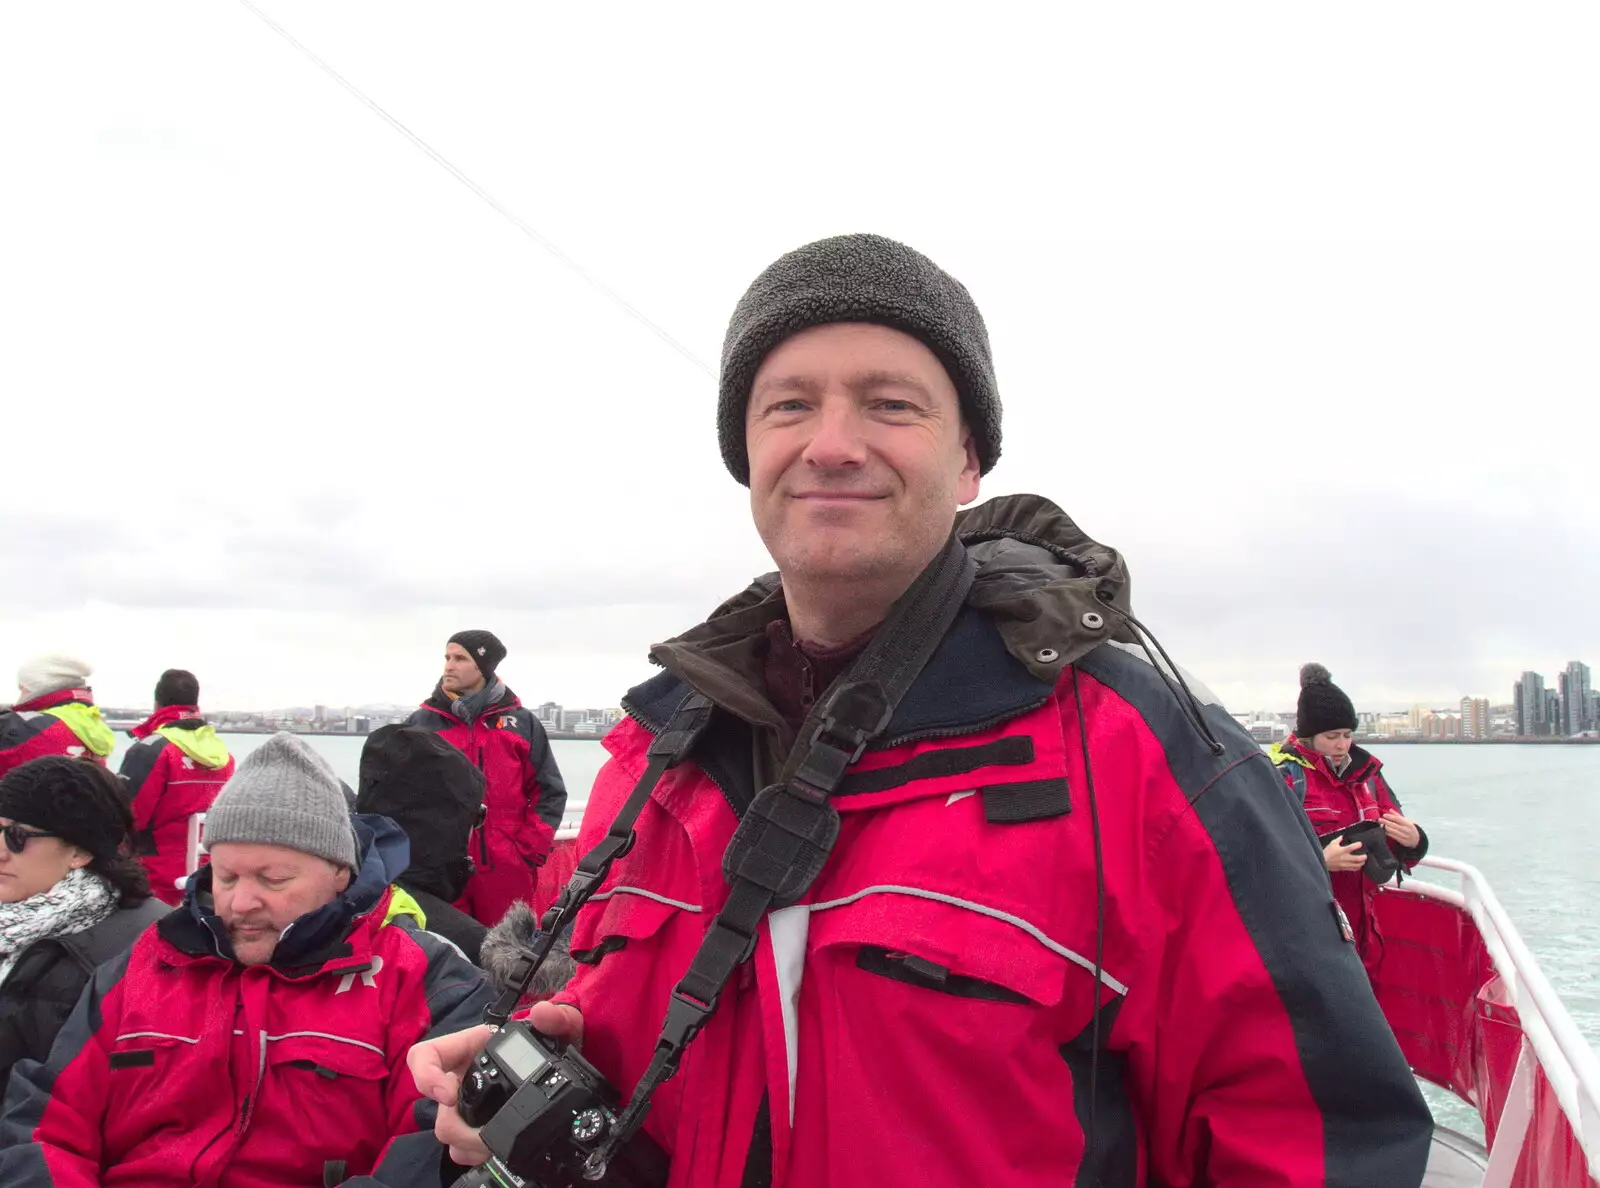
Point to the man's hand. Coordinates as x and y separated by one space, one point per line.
1337 856
1401 830
438 1065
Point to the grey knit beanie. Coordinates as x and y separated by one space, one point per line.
858 278
285 794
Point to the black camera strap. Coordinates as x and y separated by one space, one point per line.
668 749
785 836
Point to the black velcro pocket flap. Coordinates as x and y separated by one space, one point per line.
1028 800
594 956
133 1058
1011 751
918 971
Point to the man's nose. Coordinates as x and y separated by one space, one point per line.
839 439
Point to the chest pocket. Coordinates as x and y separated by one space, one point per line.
978 922
140 1063
628 917
327 1088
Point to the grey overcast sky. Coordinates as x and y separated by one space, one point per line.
1295 305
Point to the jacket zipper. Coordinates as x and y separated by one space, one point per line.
483 830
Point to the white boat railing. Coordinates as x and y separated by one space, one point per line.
571 819
1550 1038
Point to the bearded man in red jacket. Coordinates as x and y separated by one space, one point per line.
1071 930
256 1036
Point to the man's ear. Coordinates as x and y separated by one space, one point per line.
967 481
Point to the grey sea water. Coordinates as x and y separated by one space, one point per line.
1527 816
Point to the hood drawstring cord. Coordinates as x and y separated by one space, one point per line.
1187 701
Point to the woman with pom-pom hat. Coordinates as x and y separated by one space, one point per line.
1342 786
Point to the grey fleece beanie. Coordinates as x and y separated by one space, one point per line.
858 278
285 794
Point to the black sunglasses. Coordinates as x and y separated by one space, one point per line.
17 836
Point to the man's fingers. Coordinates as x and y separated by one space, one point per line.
558 1021
466 1148
436 1065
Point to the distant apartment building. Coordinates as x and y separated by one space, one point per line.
1576 699
1552 713
1475 720
1441 727
320 715
550 714
1528 701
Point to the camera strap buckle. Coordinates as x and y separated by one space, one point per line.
685 1017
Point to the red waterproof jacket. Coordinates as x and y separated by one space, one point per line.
183 1067
1333 802
174 771
523 802
926 1013
63 723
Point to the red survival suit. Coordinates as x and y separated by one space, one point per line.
66 722
1333 802
175 770
926 1013
523 802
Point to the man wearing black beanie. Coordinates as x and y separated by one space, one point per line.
474 711
1044 916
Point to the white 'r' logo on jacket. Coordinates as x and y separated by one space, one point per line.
368 976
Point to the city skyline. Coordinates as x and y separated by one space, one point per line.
1571 709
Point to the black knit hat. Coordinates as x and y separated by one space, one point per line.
485 649
1323 705
78 801
177 687
858 278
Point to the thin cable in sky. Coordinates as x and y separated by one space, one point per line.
439 159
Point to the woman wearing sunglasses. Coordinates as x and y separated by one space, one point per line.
70 898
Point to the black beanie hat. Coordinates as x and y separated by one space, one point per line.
1323 705
485 649
858 278
78 801
177 687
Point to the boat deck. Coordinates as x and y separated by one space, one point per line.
1455 1161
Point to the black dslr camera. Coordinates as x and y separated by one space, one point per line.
543 1110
